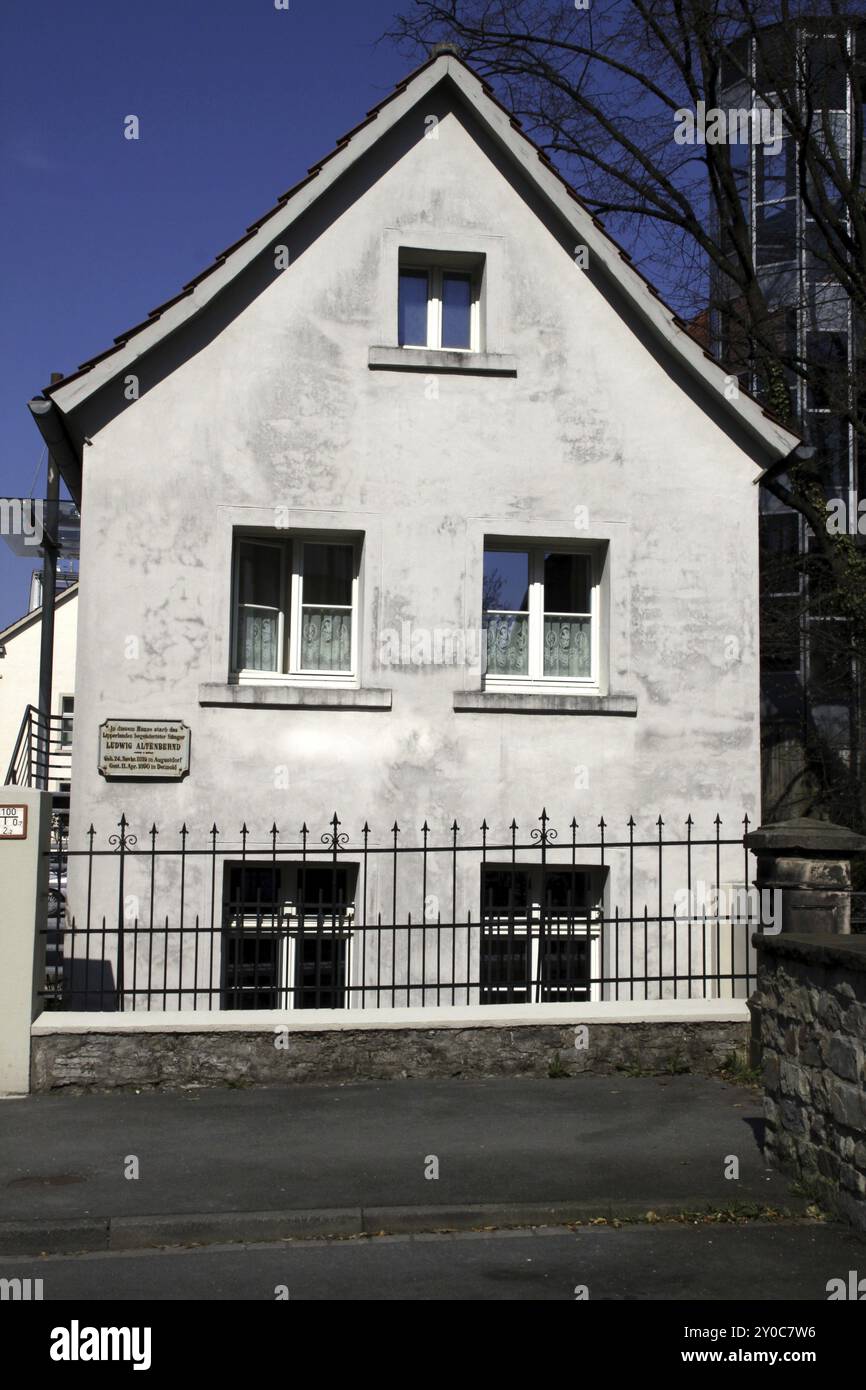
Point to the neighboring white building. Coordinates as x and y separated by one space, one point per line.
424 397
20 651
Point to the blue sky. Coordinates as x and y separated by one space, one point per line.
235 100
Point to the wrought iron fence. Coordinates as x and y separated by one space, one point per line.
327 921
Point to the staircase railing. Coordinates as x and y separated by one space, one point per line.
43 751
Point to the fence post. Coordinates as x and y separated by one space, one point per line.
809 863
806 866
25 838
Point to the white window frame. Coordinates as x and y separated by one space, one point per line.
495 923
434 306
496 926
291 605
535 678
289 928
66 718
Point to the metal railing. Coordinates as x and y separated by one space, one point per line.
328 922
42 756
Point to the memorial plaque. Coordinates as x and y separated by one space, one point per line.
155 749
13 822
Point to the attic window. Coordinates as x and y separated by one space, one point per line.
439 305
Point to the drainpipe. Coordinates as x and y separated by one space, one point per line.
801 453
49 596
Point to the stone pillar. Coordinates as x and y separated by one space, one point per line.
807 862
25 837
806 865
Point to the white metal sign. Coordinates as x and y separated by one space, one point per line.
13 822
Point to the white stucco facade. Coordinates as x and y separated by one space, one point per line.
284 406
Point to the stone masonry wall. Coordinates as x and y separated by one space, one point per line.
812 994
110 1060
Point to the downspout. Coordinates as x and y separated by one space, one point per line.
50 426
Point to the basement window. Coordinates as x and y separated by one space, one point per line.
540 932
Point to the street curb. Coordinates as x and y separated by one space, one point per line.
67 1236
217 1228
60 1236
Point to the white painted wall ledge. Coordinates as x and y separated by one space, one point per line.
397 359
542 702
636 1011
276 696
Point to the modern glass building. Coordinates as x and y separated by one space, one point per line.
812 698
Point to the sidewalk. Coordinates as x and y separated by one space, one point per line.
227 1165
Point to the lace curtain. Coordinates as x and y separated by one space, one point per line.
567 647
507 646
259 641
567 650
326 640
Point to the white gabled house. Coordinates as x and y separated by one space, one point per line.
417 505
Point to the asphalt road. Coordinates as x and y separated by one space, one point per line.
760 1262
602 1140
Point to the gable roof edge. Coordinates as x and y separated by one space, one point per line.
769 432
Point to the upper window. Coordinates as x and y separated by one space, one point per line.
67 714
295 607
540 612
438 306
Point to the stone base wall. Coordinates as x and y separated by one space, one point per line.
109 1060
812 994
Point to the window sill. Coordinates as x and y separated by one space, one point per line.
274 696
435 360
542 702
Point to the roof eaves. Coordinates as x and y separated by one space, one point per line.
34 615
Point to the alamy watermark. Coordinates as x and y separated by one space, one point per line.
734 903
739 126
22 516
438 646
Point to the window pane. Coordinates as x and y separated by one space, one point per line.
826 62
776 232
506 581
564 888
830 664
505 965
412 308
567 647
504 890
320 973
827 363
456 311
564 968
776 173
259 574
328 571
323 886
253 886
507 645
780 547
258 640
830 434
781 622
259 595
566 583
326 640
